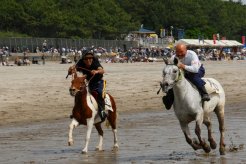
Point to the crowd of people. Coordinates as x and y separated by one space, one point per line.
119 55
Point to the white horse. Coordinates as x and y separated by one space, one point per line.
189 107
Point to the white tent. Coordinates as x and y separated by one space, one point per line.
217 43
193 42
232 43
209 43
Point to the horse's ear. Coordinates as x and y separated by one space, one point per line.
165 60
75 75
175 61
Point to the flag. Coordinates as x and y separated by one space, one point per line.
214 38
181 33
243 40
162 34
218 36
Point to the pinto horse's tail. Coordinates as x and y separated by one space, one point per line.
107 124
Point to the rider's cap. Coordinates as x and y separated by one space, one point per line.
87 52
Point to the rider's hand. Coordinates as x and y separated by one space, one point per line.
93 72
181 65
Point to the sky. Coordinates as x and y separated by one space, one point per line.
243 1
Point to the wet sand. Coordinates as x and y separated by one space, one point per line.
35 108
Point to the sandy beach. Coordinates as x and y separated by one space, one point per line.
35 105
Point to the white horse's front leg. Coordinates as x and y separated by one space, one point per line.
72 125
194 143
116 146
90 123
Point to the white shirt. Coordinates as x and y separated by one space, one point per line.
191 62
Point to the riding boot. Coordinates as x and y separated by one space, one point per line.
204 94
168 99
101 109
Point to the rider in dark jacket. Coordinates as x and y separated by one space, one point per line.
94 72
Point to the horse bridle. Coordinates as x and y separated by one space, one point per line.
179 77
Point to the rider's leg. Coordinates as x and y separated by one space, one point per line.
101 102
101 108
204 93
195 78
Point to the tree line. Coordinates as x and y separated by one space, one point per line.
112 19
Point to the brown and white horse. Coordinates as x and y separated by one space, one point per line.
85 111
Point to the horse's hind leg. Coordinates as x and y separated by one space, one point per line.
100 132
112 121
219 111
211 140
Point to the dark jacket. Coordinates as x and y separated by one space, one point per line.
94 66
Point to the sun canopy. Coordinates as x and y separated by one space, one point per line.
193 42
209 43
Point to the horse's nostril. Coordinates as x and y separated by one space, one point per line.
166 84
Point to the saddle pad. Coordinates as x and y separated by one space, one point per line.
211 86
108 105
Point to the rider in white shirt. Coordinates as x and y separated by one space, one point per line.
194 71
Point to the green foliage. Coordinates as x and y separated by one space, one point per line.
109 19
12 34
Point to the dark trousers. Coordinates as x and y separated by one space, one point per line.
100 88
195 78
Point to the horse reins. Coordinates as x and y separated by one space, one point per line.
86 70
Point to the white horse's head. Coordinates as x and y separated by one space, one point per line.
171 74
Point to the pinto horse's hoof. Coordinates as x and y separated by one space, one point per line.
115 147
99 149
70 143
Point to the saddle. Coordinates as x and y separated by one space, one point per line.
210 86
108 105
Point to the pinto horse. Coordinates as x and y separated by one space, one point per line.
188 106
85 111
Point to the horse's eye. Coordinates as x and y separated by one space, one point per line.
174 71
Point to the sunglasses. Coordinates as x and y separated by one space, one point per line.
89 58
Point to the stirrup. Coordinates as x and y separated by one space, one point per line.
103 115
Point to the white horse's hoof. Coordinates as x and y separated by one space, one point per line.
70 143
84 152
